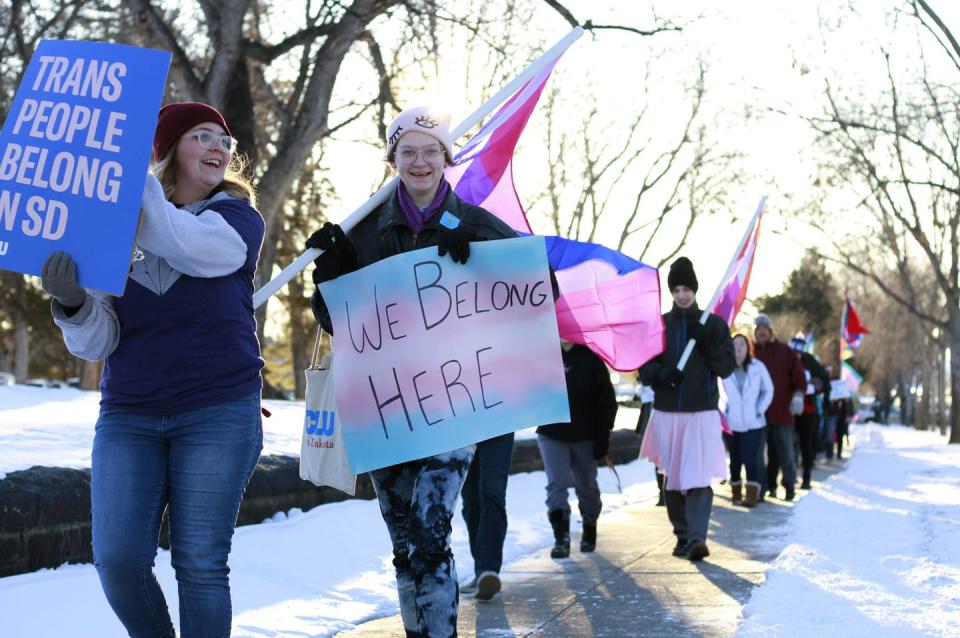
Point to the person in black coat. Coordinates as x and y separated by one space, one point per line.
684 436
570 451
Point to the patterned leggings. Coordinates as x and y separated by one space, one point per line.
417 501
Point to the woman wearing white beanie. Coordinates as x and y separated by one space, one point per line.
417 498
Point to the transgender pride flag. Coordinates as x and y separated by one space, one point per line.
850 376
737 279
608 302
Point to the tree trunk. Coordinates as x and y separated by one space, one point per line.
903 390
302 333
306 130
954 372
912 394
90 377
21 348
926 389
942 390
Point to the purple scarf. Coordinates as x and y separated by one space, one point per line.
415 217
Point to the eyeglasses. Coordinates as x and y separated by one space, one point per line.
210 140
408 155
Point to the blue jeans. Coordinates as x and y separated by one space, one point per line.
826 440
485 502
744 448
197 463
417 501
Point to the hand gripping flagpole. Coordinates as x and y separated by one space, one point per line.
687 351
354 218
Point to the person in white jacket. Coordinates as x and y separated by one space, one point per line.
749 393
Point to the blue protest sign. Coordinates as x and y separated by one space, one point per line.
432 355
74 152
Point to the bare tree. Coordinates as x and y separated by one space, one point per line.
27 336
666 178
900 154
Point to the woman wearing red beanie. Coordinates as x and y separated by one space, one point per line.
179 425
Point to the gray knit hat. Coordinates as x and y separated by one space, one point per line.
763 320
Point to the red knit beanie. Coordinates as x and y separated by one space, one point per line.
178 118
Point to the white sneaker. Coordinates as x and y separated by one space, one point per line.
488 584
470 588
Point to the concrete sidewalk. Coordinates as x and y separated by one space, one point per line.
632 585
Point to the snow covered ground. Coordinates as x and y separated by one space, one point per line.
875 551
301 574
41 426
872 552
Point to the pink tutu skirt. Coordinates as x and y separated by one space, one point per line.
686 447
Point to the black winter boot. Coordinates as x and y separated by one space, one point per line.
560 521
680 549
588 541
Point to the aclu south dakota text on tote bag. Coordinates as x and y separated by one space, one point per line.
323 457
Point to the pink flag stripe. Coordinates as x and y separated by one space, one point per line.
737 278
616 316
482 173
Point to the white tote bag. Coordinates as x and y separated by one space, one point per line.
323 457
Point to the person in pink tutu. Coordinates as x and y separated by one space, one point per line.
683 438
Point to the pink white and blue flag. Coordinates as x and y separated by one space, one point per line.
850 376
737 279
608 301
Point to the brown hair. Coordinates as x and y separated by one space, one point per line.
749 356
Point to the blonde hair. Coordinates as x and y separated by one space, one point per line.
234 183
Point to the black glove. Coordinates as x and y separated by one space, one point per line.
698 331
670 375
339 256
456 242
59 280
601 445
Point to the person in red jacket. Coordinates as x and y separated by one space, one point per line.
789 383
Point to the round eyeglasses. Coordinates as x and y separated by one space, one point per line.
209 140
429 153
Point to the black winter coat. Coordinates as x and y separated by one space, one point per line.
386 232
709 361
593 404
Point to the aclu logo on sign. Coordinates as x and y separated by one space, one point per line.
319 422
